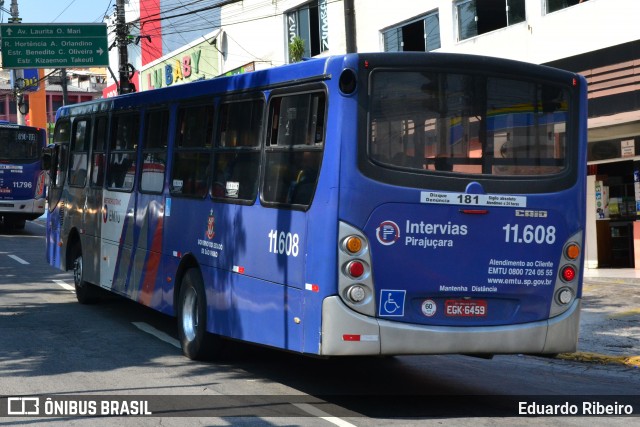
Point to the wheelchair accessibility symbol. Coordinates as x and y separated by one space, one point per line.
392 302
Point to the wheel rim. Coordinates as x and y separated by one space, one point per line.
190 314
77 271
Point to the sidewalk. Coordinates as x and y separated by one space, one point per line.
610 318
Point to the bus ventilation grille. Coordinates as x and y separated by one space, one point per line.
61 214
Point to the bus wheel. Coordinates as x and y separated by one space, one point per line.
16 224
197 343
19 224
86 293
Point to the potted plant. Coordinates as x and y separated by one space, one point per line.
296 49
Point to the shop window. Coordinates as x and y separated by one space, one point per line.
154 152
422 35
237 151
480 17
98 163
310 23
122 158
294 148
79 152
192 154
554 5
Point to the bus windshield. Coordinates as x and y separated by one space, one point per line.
19 144
467 123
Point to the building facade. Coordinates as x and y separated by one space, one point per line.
82 85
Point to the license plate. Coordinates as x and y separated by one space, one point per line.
465 308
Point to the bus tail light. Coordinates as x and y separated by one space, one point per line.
567 283
568 273
356 293
355 281
564 296
572 251
353 244
355 269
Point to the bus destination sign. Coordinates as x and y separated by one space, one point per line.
54 45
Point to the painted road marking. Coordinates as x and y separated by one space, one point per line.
309 409
145 327
17 258
64 285
316 412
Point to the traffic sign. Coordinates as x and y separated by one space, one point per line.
54 45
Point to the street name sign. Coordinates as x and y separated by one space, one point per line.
54 45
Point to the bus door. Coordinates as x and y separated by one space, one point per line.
149 214
117 232
93 222
57 179
78 210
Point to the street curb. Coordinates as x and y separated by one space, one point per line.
603 359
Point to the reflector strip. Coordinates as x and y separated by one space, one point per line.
357 337
311 287
474 211
238 269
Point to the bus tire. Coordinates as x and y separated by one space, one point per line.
86 293
18 224
15 224
196 342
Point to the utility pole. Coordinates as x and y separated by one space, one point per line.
18 75
63 82
350 26
123 57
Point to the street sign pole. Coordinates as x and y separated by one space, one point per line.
17 74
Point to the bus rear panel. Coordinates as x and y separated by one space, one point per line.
22 181
469 203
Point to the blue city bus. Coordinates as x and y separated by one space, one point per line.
22 180
365 204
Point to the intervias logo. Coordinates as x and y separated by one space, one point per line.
388 233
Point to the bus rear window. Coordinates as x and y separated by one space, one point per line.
467 124
19 144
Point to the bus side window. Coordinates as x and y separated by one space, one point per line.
122 158
237 150
98 162
294 153
192 153
154 151
79 152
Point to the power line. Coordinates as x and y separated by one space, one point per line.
217 5
101 18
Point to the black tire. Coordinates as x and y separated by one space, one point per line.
86 293
18 224
196 342
15 224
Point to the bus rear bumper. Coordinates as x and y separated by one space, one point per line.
347 333
26 209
